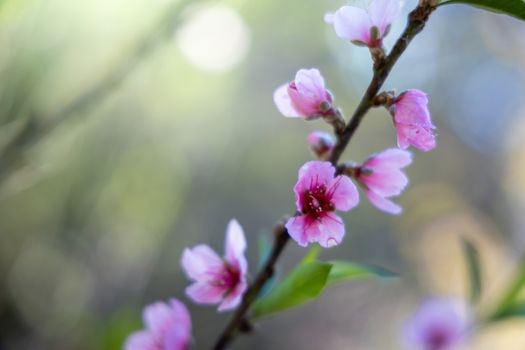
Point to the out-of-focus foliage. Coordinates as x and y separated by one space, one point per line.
514 8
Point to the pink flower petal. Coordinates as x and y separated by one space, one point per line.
158 318
233 299
284 103
329 18
235 246
327 231
297 229
383 204
181 315
411 107
200 261
392 158
420 137
383 13
142 340
344 193
204 293
176 339
331 231
387 183
353 24
310 82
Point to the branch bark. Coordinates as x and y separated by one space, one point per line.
416 22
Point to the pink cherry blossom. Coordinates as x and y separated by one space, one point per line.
381 177
321 143
218 280
412 121
318 194
168 327
438 324
305 97
365 26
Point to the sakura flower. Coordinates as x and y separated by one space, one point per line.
318 194
218 280
381 177
304 97
368 26
168 327
412 121
438 324
321 143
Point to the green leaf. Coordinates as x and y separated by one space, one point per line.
474 269
516 309
303 284
511 298
312 254
343 271
515 8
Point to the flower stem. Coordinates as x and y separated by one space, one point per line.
416 22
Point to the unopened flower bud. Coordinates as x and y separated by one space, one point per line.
321 144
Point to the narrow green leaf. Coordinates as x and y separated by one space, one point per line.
516 309
343 271
511 298
515 8
312 254
303 284
474 269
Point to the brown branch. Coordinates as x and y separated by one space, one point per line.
416 22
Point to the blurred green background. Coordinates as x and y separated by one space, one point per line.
132 129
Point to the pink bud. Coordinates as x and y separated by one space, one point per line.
304 97
218 280
365 26
412 121
168 327
381 176
321 143
318 193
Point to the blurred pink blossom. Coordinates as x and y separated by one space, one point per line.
168 327
412 121
381 176
365 26
321 143
438 324
318 194
305 97
218 280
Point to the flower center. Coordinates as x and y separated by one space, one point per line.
229 277
437 339
317 202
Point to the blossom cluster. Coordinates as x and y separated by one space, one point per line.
323 187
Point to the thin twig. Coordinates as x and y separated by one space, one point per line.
416 22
